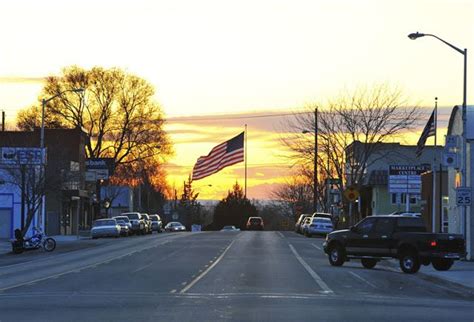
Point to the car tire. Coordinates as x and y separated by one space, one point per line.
336 255
442 264
409 262
368 263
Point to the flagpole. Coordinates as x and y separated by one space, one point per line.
245 158
433 212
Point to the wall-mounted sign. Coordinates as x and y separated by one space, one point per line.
22 156
406 178
99 169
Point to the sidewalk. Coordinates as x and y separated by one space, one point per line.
6 247
462 272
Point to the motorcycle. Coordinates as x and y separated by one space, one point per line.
37 241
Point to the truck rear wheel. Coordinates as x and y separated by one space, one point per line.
442 264
368 262
409 262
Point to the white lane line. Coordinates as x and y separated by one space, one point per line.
362 279
200 276
316 246
280 234
313 274
142 268
173 291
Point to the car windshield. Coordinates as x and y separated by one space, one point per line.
255 220
322 220
99 223
125 219
154 218
133 216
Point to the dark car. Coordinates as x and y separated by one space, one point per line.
156 223
255 223
300 221
402 237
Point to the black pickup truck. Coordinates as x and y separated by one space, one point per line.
393 236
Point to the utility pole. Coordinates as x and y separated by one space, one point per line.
3 121
315 175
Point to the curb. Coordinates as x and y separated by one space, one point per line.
435 279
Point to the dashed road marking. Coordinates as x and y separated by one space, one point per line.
313 274
200 276
316 246
173 291
362 279
280 234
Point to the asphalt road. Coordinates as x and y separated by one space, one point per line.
220 276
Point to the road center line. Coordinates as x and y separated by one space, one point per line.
280 234
313 274
200 276
362 279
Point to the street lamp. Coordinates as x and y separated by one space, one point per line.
417 35
315 174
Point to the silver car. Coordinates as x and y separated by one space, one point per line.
175 226
105 228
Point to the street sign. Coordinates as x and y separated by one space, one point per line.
450 159
406 178
351 194
463 196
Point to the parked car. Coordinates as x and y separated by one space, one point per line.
403 213
255 223
304 225
402 237
126 220
124 229
300 221
156 223
318 226
138 224
105 228
174 226
148 225
230 228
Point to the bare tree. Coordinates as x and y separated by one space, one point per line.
118 114
367 116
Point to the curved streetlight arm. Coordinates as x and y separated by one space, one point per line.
75 90
447 43
417 35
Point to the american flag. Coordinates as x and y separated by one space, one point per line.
429 130
223 155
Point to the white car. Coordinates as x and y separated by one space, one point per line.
105 228
319 226
304 225
175 226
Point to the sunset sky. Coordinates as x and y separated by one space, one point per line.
216 65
